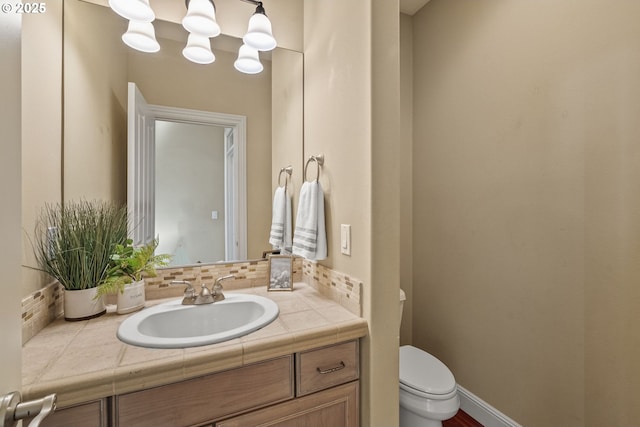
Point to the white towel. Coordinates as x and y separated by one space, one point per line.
310 237
280 236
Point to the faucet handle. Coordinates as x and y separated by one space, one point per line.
189 292
217 287
220 279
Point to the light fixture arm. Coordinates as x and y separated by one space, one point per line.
186 3
253 2
258 4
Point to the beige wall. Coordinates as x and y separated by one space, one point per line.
381 307
287 135
337 114
41 180
525 234
10 230
95 104
406 174
351 116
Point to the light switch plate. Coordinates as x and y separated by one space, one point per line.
345 239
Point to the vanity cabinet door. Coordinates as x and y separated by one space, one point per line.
335 407
92 414
204 399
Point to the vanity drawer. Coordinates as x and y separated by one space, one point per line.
204 399
326 367
91 414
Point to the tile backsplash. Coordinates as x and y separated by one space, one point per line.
342 288
248 274
43 306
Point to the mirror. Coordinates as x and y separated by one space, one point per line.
97 67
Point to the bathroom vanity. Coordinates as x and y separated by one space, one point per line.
322 384
303 369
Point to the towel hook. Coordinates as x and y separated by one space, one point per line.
319 159
288 170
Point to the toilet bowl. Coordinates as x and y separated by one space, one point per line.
428 391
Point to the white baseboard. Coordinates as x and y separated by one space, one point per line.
482 412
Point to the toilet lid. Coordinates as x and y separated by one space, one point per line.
423 372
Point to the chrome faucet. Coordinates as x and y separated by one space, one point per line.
205 296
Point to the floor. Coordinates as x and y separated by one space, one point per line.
462 419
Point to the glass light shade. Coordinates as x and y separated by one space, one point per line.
198 49
248 61
141 36
133 10
201 18
259 34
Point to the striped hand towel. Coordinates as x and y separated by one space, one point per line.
280 236
310 237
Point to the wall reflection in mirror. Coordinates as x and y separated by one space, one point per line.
97 67
190 202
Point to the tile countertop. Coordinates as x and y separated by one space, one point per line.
84 361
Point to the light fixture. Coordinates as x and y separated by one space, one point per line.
259 34
200 22
248 61
141 36
198 49
201 18
133 10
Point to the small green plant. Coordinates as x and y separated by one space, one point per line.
130 264
74 241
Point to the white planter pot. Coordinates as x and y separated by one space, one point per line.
82 304
132 298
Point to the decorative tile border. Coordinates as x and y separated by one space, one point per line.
248 274
41 308
340 287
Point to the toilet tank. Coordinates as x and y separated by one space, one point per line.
403 297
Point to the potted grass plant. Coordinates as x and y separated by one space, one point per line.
128 267
74 242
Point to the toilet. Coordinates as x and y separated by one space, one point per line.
428 391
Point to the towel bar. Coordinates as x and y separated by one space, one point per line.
319 159
288 170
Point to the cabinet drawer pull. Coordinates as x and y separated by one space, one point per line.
330 370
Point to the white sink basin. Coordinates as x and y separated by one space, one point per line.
173 325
